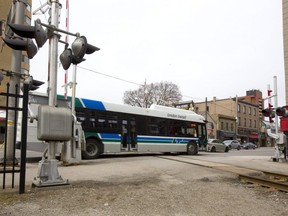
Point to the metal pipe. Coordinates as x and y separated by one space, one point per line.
53 55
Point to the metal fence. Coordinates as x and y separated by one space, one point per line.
8 165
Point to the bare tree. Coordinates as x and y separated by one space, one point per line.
163 93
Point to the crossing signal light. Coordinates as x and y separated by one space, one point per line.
33 84
75 55
27 33
282 111
268 112
22 44
35 31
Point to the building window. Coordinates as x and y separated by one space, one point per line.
249 110
227 126
255 125
207 108
222 125
238 108
244 122
244 109
250 123
239 121
232 127
254 111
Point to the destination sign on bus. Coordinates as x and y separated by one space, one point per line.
176 116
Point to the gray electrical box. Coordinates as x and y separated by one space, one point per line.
54 123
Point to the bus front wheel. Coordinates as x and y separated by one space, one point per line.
93 149
192 148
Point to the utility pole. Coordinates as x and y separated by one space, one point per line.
19 7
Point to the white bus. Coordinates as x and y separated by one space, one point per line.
112 128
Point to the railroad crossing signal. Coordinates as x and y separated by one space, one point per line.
282 111
24 39
75 55
33 84
269 112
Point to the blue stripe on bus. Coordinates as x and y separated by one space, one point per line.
92 104
144 139
163 140
109 136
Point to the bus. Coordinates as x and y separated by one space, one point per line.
114 128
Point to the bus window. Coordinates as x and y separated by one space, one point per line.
153 127
113 122
191 130
92 122
177 128
101 123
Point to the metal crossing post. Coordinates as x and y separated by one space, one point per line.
48 174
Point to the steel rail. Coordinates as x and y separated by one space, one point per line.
264 182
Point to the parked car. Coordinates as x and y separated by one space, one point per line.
215 145
249 145
233 144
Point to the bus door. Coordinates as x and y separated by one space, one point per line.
129 135
202 134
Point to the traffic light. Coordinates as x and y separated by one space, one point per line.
75 55
26 43
282 111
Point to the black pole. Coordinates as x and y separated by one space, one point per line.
24 139
15 132
5 143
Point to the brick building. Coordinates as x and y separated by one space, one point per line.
6 14
235 118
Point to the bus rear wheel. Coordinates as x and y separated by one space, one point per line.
192 148
93 149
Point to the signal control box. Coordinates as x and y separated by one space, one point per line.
54 123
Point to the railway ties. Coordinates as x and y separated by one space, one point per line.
251 176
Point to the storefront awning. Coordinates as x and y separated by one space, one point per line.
253 136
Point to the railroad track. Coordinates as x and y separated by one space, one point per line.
268 179
250 176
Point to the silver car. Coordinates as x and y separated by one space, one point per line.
215 145
233 144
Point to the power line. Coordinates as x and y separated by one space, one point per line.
103 74
128 81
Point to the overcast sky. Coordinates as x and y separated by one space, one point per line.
209 48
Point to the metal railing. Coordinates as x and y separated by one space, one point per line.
10 165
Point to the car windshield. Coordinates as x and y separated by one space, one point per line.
227 141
